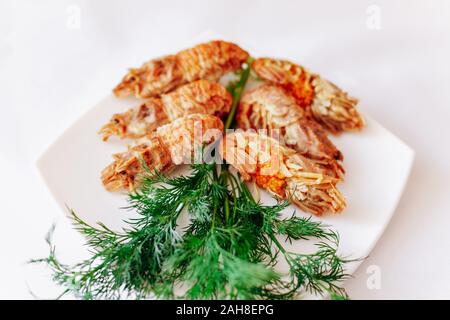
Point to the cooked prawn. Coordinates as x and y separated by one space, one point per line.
282 171
207 61
328 104
172 144
271 108
201 96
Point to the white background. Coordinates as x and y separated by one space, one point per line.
53 69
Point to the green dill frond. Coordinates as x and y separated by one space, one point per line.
300 228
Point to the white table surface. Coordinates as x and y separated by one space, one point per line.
55 64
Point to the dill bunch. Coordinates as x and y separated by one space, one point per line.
228 250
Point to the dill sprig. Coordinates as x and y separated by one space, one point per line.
228 250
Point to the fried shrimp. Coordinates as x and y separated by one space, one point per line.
329 105
201 96
282 171
207 61
172 144
271 108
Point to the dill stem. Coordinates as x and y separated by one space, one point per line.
233 189
277 243
215 175
237 92
214 217
227 209
281 248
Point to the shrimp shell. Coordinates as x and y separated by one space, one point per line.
172 144
328 104
207 61
282 171
271 108
201 96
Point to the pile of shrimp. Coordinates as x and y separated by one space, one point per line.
282 141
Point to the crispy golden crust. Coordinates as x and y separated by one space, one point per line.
329 105
282 171
172 144
271 108
205 61
123 172
185 137
201 96
211 60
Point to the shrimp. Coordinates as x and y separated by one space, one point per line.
172 144
207 61
271 108
200 96
330 106
282 171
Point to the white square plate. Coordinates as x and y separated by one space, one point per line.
377 167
